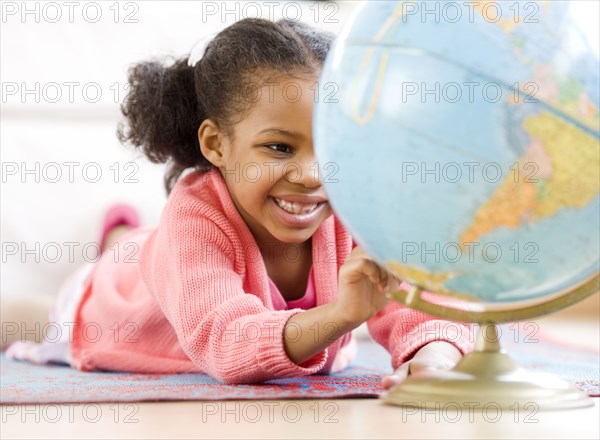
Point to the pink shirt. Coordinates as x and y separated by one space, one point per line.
308 301
195 298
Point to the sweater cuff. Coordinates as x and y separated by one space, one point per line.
458 334
272 356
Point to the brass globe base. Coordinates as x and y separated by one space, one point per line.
487 379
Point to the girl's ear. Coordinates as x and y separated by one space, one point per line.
210 139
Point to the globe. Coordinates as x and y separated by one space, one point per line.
459 143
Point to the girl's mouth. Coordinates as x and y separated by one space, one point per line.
297 214
294 207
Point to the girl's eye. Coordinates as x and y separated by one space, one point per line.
279 148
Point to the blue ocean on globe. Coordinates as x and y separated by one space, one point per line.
459 143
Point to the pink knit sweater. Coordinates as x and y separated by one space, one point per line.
192 295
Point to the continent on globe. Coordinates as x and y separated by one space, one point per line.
565 159
434 282
421 277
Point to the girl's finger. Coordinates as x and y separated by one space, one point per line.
390 381
403 371
371 270
399 375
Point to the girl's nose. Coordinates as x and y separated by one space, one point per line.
305 173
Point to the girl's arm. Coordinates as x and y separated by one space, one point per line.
404 331
312 331
361 294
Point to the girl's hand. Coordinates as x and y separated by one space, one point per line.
362 288
362 293
437 355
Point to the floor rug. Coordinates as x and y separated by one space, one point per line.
22 382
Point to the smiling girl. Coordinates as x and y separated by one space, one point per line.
249 276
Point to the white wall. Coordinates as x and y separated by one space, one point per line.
51 50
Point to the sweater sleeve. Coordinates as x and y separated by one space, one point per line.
403 331
191 268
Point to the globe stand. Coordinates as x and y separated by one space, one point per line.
488 377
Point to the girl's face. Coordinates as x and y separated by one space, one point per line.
269 166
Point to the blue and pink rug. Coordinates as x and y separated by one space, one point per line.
25 383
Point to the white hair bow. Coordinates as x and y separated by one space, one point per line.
199 49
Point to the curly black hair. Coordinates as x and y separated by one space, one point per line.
168 100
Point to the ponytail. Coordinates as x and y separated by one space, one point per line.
163 117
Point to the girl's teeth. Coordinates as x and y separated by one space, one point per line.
295 208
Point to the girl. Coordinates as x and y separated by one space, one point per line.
249 276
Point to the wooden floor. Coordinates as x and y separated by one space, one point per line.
331 419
